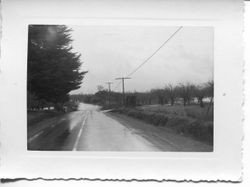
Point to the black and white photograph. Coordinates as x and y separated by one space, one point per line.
114 90
120 88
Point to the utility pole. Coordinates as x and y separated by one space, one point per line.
123 88
109 85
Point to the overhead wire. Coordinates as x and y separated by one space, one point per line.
147 59
158 49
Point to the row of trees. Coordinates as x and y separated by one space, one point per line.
171 94
186 92
53 68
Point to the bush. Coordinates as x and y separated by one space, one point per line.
198 129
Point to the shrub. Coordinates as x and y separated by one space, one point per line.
198 129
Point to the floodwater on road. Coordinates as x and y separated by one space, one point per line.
90 129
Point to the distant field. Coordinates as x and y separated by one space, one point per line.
190 120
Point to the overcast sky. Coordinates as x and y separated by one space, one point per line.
109 52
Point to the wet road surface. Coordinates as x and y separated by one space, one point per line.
90 129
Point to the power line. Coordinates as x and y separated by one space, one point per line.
109 88
123 87
145 61
109 85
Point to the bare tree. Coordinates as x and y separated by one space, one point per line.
171 93
200 92
186 92
210 93
160 94
100 88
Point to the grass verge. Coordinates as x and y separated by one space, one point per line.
192 121
33 117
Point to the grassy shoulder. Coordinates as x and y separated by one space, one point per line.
34 117
190 120
40 114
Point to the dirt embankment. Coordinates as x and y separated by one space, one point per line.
191 121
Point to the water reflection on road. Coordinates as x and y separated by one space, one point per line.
91 129
88 107
87 129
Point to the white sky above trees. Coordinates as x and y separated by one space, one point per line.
109 52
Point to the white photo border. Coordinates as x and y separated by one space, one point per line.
224 163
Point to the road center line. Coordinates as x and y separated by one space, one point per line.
80 132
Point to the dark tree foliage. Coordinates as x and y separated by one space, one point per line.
53 69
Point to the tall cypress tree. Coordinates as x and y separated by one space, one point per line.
53 69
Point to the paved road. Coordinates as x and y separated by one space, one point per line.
90 129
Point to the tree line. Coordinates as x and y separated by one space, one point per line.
53 68
171 94
185 93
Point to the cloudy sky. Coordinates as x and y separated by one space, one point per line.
109 52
